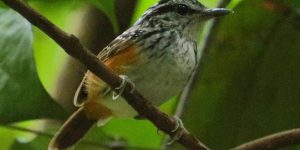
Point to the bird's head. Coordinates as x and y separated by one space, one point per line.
184 15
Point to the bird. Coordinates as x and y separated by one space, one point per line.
158 55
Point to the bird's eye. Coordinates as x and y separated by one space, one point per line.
182 9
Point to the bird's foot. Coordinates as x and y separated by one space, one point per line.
178 130
125 81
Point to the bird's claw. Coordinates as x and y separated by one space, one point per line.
178 130
122 86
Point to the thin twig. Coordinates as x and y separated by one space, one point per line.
112 145
74 48
274 141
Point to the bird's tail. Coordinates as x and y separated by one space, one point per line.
72 130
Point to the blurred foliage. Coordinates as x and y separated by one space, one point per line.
22 95
8 136
108 8
292 3
2 5
143 5
233 3
250 83
249 86
65 14
21 91
49 56
38 143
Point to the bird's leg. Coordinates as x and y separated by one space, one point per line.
178 130
125 80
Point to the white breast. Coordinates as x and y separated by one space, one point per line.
161 75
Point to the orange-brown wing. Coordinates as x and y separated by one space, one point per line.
118 55
118 45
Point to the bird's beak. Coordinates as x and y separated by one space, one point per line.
216 12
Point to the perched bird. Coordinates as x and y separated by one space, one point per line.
158 54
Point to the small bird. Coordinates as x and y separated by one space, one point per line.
158 54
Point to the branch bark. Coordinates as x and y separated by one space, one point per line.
274 141
73 47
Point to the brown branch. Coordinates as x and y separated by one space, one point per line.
274 141
73 47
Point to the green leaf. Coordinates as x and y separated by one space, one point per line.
2 5
22 96
136 132
94 140
141 7
234 3
7 138
209 3
292 3
250 83
39 143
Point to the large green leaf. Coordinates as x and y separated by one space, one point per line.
251 80
22 96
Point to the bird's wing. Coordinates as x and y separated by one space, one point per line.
116 46
113 56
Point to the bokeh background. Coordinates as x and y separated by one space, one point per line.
248 85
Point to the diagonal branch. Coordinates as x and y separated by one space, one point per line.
274 141
73 47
